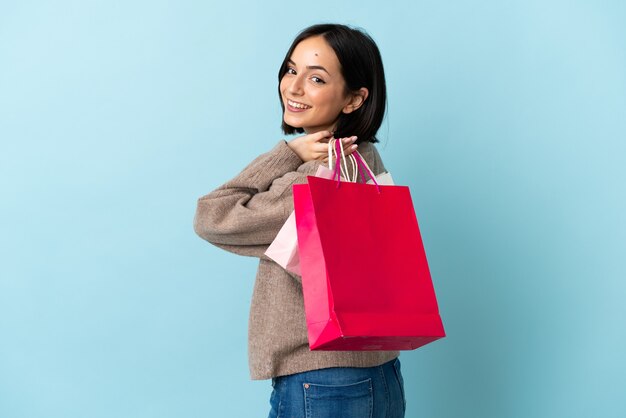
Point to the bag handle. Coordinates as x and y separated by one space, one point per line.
344 167
363 167
333 144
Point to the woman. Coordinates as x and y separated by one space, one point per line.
331 84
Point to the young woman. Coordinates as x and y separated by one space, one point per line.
331 84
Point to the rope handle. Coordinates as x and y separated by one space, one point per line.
360 163
344 167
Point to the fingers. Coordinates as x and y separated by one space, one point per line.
319 149
348 145
350 149
317 145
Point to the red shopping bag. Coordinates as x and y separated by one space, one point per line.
365 276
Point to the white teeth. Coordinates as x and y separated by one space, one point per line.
298 105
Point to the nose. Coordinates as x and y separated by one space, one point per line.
295 85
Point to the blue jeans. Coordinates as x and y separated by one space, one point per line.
340 392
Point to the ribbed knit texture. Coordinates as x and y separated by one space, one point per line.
243 216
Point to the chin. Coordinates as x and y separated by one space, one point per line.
292 123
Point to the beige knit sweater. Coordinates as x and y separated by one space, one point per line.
243 216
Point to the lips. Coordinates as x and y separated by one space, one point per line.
297 106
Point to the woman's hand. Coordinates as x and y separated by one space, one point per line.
315 146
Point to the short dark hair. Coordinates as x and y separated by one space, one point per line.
361 66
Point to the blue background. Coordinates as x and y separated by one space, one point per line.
506 118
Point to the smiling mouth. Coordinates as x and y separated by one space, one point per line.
297 105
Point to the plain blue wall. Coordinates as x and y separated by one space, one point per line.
506 118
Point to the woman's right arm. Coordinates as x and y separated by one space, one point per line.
245 214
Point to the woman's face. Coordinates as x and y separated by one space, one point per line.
313 89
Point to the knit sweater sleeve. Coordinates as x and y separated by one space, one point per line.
244 215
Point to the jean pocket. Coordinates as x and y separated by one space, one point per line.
346 401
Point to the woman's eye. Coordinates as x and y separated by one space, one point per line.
290 70
317 80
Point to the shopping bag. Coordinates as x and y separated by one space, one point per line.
284 248
365 276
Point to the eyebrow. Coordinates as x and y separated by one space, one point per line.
311 67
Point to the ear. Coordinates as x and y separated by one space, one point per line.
357 99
